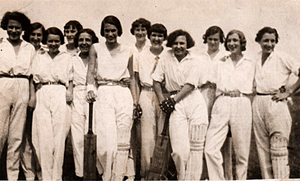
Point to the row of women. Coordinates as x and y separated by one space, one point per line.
207 97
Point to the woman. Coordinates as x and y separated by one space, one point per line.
139 28
271 117
112 72
34 35
70 30
15 59
188 120
232 108
83 40
213 37
52 74
151 119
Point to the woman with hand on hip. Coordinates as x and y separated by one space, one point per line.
112 72
52 74
188 120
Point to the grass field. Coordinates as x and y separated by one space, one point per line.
253 168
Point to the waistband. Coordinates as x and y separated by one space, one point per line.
14 76
111 83
146 88
265 94
233 95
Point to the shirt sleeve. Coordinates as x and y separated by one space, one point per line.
158 74
292 65
195 75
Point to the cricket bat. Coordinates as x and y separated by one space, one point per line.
161 157
90 150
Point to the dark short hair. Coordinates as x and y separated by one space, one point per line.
32 27
53 31
270 30
17 16
88 31
73 23
111 20
141 21
172 37
158 28
241 36
213 30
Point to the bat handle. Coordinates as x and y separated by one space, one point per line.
91 104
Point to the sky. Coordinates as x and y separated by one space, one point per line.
194 16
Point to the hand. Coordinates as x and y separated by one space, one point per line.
137 112
281 94
69 97
234 93
168 105
91 96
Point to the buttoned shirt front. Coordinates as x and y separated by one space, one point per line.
275 72
145 65
176 73
45 69
12 64
235 77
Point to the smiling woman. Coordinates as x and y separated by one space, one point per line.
16 88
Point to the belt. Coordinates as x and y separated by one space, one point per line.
52 83
148 88
265 94
233 95
14 76
111 83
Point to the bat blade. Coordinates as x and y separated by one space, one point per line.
90 150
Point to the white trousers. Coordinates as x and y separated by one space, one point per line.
269 117
188 124
209 95
49 130
152 122
79 126
113 122
236 114
14 96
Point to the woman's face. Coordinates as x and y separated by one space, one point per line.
213 42
140 33
179 47
110 33
84 42
234 43
267 43
156 39
14 30
36 37
70 34
53 43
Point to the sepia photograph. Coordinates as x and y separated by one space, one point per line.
149 90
